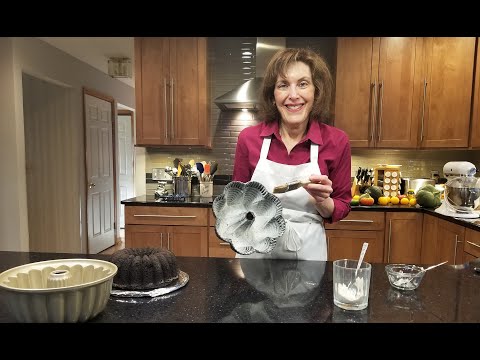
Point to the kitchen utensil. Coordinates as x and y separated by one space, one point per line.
213 167
62 290
431 267
200 167
408 282
416 184
248 217
462 190
359 171
293 185
360 260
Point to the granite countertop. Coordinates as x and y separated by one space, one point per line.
249 290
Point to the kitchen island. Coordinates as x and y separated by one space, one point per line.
279 291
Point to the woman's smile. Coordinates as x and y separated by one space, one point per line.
294 94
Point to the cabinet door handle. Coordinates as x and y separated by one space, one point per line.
223 243
423 107
172 103
380 111
456 245
161 239
168 241
473 244
165 103
167 216
389 239
357 221
374 110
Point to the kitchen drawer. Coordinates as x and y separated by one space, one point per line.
360 220
217 247
472 242
157 215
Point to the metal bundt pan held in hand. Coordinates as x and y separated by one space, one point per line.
248 217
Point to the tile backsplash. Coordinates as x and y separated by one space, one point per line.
225 72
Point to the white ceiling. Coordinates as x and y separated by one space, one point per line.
95 51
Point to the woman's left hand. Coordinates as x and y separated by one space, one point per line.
320 187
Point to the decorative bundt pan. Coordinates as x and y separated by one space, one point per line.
248 217
63 290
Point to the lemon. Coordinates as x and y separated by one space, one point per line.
383 200
394 200
413 202
405 201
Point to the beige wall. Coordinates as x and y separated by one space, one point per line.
41 60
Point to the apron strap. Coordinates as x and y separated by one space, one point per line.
265 147
314 153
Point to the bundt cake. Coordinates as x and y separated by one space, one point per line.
144 268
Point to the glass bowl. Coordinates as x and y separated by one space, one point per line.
404 276
58 291
248 217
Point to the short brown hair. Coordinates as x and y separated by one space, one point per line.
321 76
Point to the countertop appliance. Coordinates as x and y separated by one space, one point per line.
462 190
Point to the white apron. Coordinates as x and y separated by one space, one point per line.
304 237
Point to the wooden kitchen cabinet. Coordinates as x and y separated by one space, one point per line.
376 91
403 237
216 246
475 131
447 92
442 240
471 247
183 230
346 237
171 92
181 240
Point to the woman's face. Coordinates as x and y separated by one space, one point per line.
294 94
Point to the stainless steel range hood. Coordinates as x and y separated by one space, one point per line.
247 95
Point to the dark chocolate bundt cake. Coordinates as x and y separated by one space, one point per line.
144 268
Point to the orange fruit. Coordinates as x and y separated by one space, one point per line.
404 201
394 200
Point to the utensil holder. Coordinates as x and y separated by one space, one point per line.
206 189
181 185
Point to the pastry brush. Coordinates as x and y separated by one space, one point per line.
293 185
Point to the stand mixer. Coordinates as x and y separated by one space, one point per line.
462 190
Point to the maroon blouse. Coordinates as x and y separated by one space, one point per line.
334 157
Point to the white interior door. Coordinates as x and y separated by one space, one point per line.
125 161
100 174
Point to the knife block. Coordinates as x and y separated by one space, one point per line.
355 190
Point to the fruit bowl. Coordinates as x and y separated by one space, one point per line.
58 291
404 277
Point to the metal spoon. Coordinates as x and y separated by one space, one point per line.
360 260
423 270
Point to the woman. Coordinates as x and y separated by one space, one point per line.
294 143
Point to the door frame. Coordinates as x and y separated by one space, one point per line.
113 104
126 112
